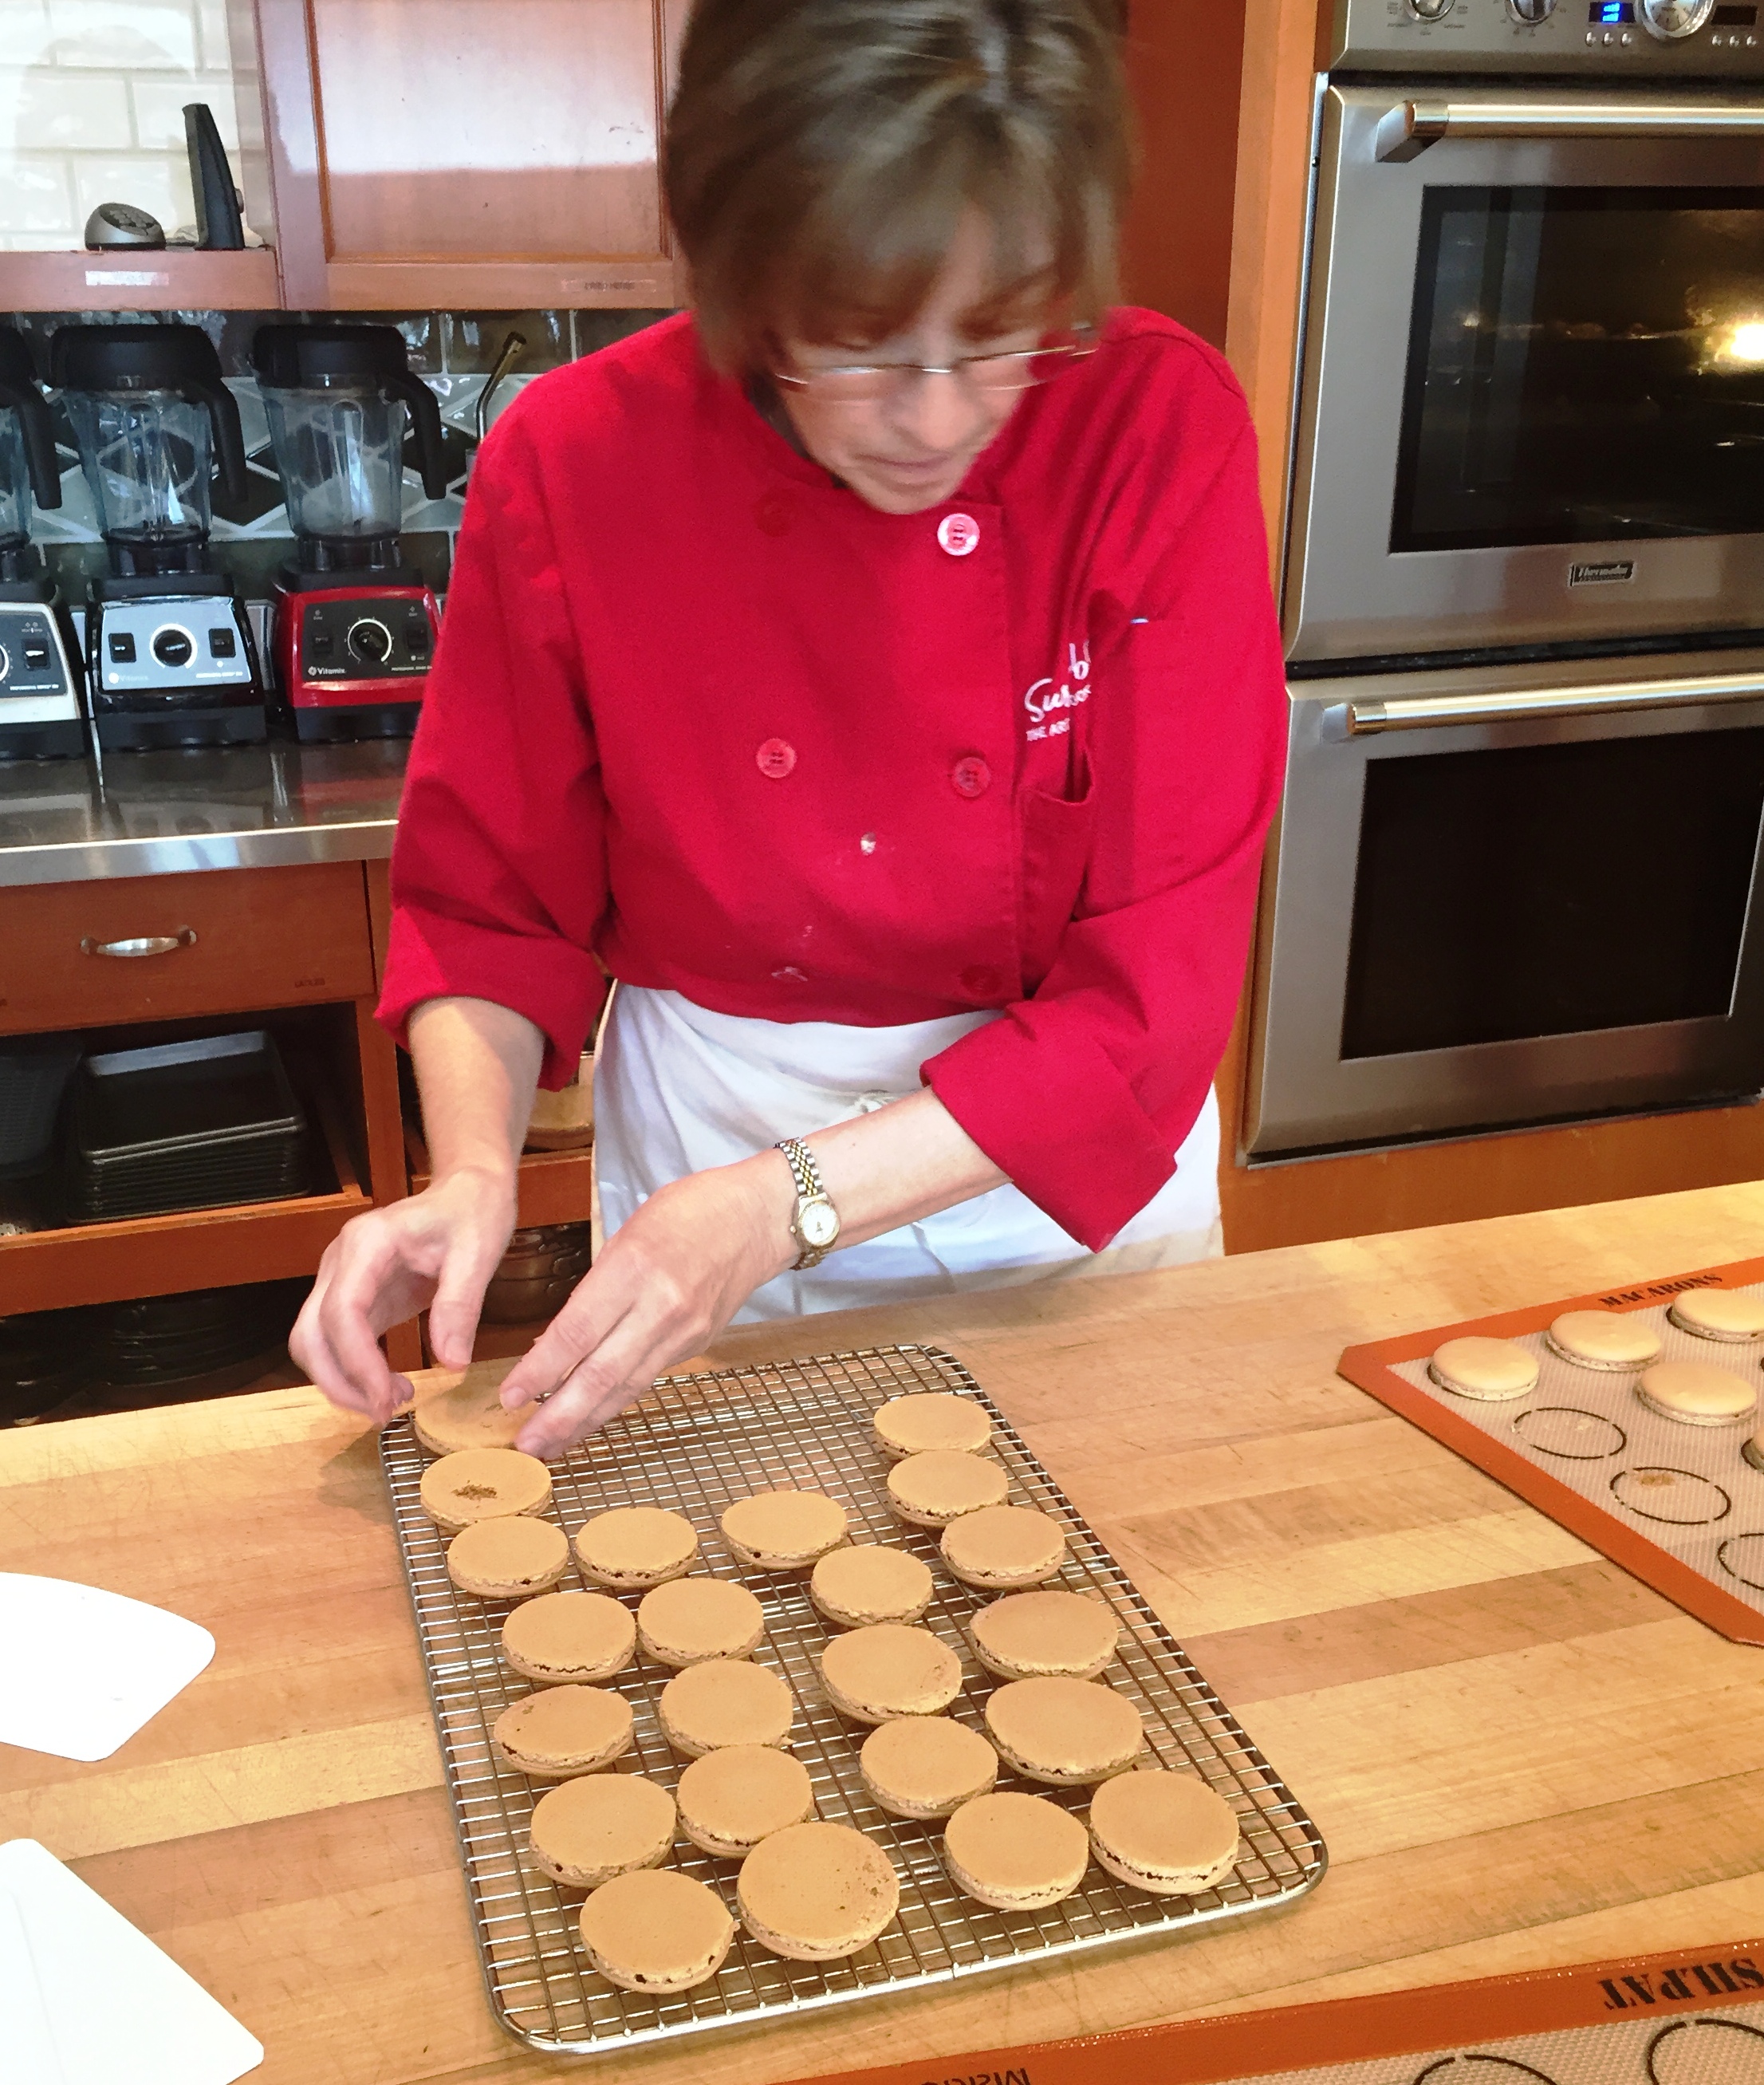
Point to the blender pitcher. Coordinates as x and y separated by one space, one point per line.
337 398
150 416
26 448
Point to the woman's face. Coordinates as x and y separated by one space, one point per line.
910 451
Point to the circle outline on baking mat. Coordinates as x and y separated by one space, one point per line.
1568 1454
1482 2056
1673 2027
1667 1519
1731 1541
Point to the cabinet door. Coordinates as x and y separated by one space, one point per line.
466 153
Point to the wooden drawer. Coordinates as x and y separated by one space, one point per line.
244 939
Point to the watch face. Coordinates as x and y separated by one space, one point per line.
818 1223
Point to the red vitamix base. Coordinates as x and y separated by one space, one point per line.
351 661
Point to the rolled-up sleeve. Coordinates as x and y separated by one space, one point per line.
498 870
1082 1091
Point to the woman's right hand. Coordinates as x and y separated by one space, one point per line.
436 1251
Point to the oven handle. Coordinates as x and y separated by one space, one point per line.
1343 720
1406 131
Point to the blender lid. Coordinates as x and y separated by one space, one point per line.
132 357
294 357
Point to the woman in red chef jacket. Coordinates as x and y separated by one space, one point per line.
875 673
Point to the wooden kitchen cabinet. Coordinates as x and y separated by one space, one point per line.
464 153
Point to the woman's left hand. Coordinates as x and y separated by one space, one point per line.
665 1284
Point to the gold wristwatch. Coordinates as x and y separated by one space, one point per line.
816 1224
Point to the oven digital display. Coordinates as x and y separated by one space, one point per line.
1539 890
1611 10
1734 17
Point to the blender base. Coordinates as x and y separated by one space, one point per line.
65 740
342 726
121 731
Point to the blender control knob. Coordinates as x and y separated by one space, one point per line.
173 646
1531 12
5 663
371 642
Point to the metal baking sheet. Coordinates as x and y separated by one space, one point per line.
695 1444
1678 1505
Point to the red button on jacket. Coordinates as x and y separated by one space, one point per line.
620 638
972 778
776 759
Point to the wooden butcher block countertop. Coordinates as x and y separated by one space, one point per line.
1519 1757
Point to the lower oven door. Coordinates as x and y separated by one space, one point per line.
1500 899
1531 402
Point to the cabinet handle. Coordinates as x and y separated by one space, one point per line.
142 945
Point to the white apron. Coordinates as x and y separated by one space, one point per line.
678 1089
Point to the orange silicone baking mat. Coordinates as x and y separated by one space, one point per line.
1678 1505
1695 2017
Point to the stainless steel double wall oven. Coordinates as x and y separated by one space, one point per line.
1523 590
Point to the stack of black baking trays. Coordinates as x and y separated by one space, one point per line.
45 1358
183 1126
161 1340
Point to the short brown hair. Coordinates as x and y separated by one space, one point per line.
820 153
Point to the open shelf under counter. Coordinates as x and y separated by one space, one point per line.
141 278
183 1249
554 1187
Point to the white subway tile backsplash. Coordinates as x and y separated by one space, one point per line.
216 44
151 180
132 35
37 195
158 105
43 110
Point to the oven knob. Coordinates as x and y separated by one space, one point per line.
1430 10
1531 12
1669 20
371 642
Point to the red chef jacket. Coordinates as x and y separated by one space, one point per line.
700 713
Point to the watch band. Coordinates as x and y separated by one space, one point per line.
809 1188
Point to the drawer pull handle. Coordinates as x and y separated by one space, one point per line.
141 944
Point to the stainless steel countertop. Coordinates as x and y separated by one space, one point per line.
161 813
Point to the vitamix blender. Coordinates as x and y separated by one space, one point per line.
355 626
39 711
170 659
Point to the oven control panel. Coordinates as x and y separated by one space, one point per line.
1709 41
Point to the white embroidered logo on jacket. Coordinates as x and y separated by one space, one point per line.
1044 701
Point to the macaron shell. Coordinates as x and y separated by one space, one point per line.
783 1531
468 1413
817 1892
927 1420
1489 1370
923 1767
1719 1313
725 1701
656 1930
563 1730
891 1668
1169 1834
1603 1339
1065 1732
566 1638
932 1490
1016 1852
689 1620
1028 1636
1002 1547
633 1547
508 1558
865 1582
1697 1393
586 1830
733 1798
479 1483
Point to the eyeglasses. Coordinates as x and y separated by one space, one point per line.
863 382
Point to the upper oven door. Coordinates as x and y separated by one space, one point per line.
1532 404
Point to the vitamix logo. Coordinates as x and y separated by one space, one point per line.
1615 572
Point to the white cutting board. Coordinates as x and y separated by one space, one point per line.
86 1999
84 1668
